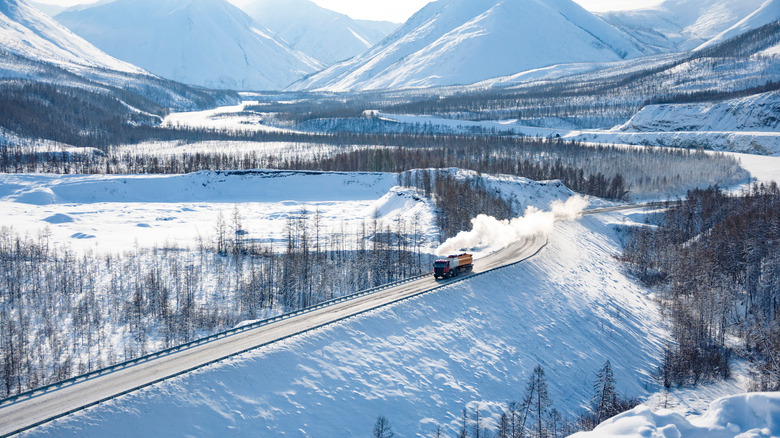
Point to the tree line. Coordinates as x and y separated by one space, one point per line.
606 171
714 257
458 200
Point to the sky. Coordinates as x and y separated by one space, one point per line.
399 10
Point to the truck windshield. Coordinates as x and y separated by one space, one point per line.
440 264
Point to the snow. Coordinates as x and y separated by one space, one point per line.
419 362
123 211
28 32
203 42
681 25
768 12
763 169
751 415
325 35
224 117
759 112
465 41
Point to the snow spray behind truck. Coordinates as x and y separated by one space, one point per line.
453 265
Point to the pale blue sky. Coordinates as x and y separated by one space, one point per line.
400 10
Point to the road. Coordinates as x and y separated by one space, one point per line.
45 406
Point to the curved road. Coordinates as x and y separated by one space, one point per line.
46 406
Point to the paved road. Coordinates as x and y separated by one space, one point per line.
28 412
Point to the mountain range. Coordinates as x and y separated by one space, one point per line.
57 86
296 44
209 43
464 41
769 12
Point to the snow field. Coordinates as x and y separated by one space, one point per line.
755 415
419 362
119 212
115 213
224 117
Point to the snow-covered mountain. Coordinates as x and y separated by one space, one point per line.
48 9
42 61
464 41
25 31
680 25
203 42
323 34
769 12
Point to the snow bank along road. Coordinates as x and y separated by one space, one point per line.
40 407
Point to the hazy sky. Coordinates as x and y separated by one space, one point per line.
400 10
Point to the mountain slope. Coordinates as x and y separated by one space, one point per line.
203 42
464 41
769 12
681 25
56 86
28 32
323 34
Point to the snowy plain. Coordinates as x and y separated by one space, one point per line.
110 213
115 213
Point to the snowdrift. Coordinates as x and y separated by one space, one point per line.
749 415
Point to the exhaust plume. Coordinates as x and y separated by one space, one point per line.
490 233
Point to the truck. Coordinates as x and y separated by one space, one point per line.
453 265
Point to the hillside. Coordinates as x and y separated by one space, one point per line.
769 12
754 113
421 361
681 25
325 35
26 31
209 43
464 41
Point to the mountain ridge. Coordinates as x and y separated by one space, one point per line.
321 33
450 42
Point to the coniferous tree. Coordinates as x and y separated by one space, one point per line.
382 428
605 398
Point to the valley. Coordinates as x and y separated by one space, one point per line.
175 171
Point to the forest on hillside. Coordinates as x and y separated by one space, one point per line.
715 258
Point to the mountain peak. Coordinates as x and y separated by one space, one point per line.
452 42
325 35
